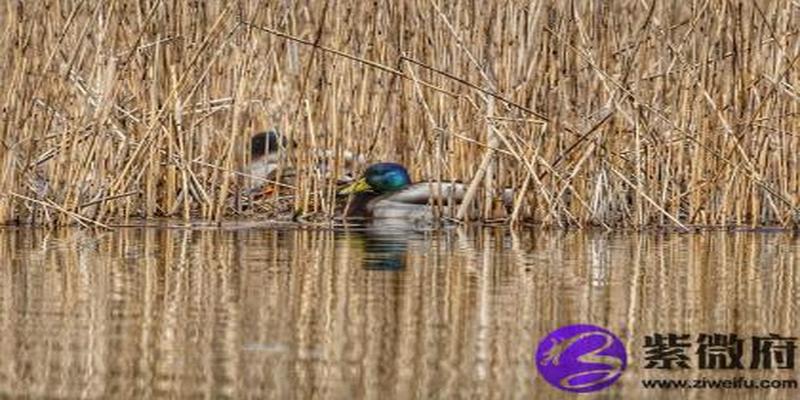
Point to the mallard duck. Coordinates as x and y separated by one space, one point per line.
269 149
265 153
385 191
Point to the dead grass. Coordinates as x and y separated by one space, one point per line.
626 113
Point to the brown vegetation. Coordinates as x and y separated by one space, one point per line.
626 113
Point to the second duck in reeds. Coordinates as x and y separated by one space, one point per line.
270 150
266 151
385 191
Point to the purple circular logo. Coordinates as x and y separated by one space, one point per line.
581 358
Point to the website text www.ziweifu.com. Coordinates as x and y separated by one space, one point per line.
732 383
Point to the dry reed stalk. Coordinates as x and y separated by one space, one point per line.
433 163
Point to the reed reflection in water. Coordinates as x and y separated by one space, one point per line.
367 313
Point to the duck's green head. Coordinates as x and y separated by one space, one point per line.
380 178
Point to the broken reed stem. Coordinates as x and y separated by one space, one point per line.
646 197
80 219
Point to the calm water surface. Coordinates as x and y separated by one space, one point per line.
254 313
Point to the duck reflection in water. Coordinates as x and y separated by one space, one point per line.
383 248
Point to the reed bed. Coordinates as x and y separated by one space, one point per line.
615 114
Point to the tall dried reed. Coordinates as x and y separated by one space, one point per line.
626 113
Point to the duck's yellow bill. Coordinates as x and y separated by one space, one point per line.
358 186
